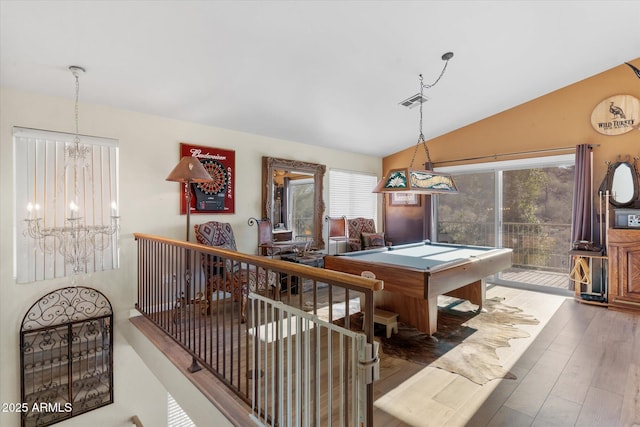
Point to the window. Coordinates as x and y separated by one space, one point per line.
66 194
177 417
350 194
524 205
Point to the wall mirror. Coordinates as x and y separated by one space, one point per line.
622 183
292 198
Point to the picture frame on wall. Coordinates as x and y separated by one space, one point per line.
217 196
404 199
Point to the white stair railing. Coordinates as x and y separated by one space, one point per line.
306 371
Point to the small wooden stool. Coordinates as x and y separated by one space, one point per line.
387 318
380 316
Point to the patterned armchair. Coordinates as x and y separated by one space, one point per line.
227 275
362 235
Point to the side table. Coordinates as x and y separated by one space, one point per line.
312 259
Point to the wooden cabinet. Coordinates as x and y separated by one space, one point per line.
624 268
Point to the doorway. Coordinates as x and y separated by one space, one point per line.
524 205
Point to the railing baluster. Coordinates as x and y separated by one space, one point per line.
276 358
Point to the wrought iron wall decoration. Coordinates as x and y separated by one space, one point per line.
66 356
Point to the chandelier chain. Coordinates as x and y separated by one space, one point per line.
77 138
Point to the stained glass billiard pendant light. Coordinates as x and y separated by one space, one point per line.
409 180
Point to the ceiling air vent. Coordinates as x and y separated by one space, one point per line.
414 100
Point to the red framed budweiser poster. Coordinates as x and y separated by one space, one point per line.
217 196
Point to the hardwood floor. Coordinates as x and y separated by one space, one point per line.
580 366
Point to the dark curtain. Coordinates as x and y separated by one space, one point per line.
581 213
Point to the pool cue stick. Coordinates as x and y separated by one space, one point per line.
600 221
606 203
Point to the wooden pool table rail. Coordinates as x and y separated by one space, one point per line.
413 292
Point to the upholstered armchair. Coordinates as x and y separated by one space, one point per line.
362 235
227 275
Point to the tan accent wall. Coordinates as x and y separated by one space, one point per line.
557 120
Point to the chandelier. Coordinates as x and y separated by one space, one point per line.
75 241
409 180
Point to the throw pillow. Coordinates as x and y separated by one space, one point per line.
372 240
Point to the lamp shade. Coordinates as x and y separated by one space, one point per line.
407 180
189 169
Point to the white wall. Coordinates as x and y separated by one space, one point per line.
149 149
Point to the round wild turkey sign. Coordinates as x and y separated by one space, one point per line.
616 115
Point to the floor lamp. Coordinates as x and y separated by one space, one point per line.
189 170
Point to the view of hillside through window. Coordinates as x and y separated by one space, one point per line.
528 210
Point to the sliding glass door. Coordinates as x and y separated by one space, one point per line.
469 216
523 205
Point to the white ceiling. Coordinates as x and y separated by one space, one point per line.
328 73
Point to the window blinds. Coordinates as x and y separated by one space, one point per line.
350 194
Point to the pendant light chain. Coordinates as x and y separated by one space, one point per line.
446 57
421 134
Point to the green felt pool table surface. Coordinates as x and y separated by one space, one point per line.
423 255
415 274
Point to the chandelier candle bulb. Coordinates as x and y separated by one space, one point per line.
114 209
74 209
30 210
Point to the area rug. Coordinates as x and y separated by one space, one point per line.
465 343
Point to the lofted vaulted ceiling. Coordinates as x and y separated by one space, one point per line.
326 73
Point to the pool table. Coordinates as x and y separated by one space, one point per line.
415 274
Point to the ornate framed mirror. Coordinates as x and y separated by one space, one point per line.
292 198
622 183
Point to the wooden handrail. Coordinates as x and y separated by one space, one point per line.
177 281
136 421
318 274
